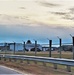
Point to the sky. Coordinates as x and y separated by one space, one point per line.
36 20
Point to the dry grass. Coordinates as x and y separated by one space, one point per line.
45 54
55 54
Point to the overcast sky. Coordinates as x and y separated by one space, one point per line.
36 19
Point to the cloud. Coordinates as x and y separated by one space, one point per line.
72 10
22 8
47 4
11 19
59 13
69 15
8 17
64 15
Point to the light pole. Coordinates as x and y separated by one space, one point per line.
50 46
60 44
72 44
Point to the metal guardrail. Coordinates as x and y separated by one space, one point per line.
55 61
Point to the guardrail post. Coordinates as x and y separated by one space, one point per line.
14 59
0 58
9 59
55 66
4 59
35 62
28 62
21 60
68 68
44 64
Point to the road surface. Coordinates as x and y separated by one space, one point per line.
8 71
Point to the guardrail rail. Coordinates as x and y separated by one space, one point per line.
67 62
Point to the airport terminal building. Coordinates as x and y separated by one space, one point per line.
19 46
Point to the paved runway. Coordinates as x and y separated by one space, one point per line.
8 71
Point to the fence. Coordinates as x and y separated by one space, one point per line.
6 47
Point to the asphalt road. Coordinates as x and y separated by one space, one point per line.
8 71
